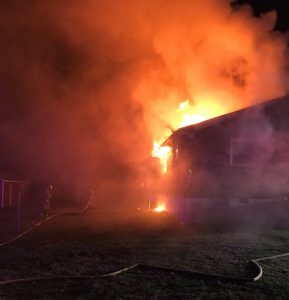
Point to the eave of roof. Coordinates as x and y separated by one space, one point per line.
226 117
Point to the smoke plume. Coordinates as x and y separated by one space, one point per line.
86 86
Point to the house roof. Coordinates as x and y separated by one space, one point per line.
227 117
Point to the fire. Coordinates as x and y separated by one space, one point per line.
186 114
201 111
163 153
206 64
161 207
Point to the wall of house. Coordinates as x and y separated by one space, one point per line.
242 157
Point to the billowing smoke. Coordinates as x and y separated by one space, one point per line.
219 59
86 85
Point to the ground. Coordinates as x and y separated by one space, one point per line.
99 243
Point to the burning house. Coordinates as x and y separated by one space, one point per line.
235 160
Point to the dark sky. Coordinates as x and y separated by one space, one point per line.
262 6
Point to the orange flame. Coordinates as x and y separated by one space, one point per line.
163 153
185 115
214 63
161 207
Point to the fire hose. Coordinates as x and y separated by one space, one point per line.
252 265
33 227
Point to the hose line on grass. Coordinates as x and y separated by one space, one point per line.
252 265
28 230
187 273
33 227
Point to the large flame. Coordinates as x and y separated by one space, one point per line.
186 114
163 153
190 114
210 60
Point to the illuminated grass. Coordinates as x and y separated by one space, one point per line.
101 243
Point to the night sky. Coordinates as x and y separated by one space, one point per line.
260 7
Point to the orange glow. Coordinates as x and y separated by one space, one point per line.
186 114
160 208
192 114
209 61
163 153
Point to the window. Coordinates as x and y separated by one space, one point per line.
246 152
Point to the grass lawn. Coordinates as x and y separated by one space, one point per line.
100 243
